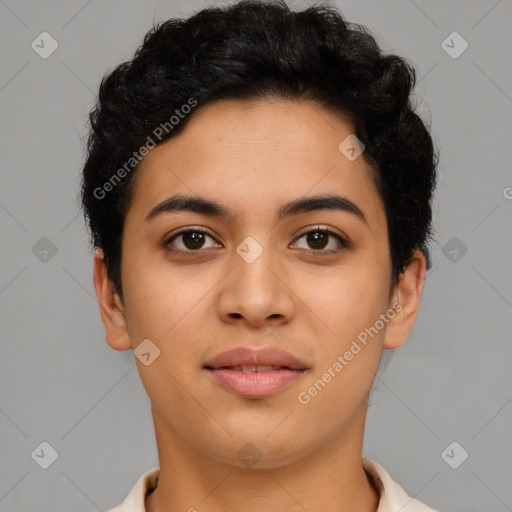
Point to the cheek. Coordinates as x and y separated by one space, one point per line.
166 307
349 351
350 303
348 300
160 297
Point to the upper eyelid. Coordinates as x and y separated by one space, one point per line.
186 230
319 227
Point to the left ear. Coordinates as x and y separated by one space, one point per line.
407 294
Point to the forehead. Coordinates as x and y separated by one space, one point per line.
255 156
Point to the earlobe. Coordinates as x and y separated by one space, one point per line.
407 294
111 308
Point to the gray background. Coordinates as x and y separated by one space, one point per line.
61 383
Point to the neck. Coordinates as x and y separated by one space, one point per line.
329 478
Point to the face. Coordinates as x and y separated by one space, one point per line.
251 277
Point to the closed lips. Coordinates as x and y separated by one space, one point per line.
255 373
254 368
263 359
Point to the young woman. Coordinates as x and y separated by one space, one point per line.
258 192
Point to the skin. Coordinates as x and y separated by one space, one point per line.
252 157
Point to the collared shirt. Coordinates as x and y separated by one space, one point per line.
392 497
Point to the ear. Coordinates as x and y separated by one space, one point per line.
407 296
111 308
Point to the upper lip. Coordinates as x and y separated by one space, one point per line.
266 356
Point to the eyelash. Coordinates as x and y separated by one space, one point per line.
318 229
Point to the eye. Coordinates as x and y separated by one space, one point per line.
191 240
318 239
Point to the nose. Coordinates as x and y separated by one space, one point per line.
255 291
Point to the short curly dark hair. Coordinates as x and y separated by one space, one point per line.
252 50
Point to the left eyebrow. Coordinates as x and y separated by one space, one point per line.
211 208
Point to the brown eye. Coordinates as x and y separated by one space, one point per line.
192 240
317 239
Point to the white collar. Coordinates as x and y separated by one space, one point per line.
392 497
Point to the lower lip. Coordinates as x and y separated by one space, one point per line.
255 384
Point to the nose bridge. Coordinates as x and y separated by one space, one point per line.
254 261
253 289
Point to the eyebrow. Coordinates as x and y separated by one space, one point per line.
204 206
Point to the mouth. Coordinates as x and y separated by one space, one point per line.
251 368
255 373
